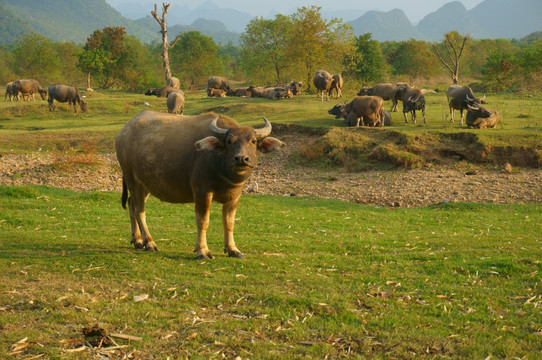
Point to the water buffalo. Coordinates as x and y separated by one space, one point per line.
413 99
215 92
175 103
460 97
65 93
322 81
257 91
173 82
351 119
28 87
336 85
479 117
367 108
295 87
163 92
9 91
386 91
218 82
241 92
278 92
198 159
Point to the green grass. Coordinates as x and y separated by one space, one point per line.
321 278
27 126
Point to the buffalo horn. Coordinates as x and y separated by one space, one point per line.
469 98
473 107
483 97
265 131
217 130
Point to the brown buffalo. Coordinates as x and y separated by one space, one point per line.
257 91
197 159
173 82
295 87
413 99
28 87
9 91
386 91
479 117
368 109
336 85
241 92
322 81
175 103
215 92
219 82
460 97
65 93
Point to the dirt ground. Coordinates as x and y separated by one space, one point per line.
277 176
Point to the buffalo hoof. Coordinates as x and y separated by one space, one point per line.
207 256
151 246
235 254
138 245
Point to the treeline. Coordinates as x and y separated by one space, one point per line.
271 51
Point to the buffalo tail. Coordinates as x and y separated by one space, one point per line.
124 198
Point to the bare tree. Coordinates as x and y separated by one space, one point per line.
163 30
450 57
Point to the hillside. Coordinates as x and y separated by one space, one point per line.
67 20
451 16
386 26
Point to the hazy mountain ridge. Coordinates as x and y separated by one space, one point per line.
75 20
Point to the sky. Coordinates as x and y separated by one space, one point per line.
415 10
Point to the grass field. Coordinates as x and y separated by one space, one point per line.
322 278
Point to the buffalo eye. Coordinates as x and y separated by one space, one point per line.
254 141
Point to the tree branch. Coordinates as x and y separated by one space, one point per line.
154 13
174 42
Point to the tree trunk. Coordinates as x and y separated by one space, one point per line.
163 30
88 81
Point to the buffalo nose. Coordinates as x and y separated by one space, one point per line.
241 159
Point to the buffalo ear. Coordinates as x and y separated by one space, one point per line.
269 144
210 143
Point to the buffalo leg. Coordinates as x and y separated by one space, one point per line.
425 121
228 220
203 207
461 113
137 208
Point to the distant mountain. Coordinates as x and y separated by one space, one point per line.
508 19
66 20
451 16
387 26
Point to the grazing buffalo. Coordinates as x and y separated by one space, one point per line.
162 92
28 87
479 117
322 81
199 159
215 92
65 93
173 82
175 103
386 91
295 87
460 97
218 82
351 119
9 91
336 85
366 108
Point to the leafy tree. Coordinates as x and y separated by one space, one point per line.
478 52
35 57
367 63
317 43
134 64
415 59
93 62
499 70
230 55
265 48
195 58
111 41
6 75
68 55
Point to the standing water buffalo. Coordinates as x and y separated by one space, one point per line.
386 91
322 81
219 82
413 99
28 87
460 97
175 103
190 159
9 91
479 117
65 93
336 85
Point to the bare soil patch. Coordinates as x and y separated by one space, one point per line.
277 175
